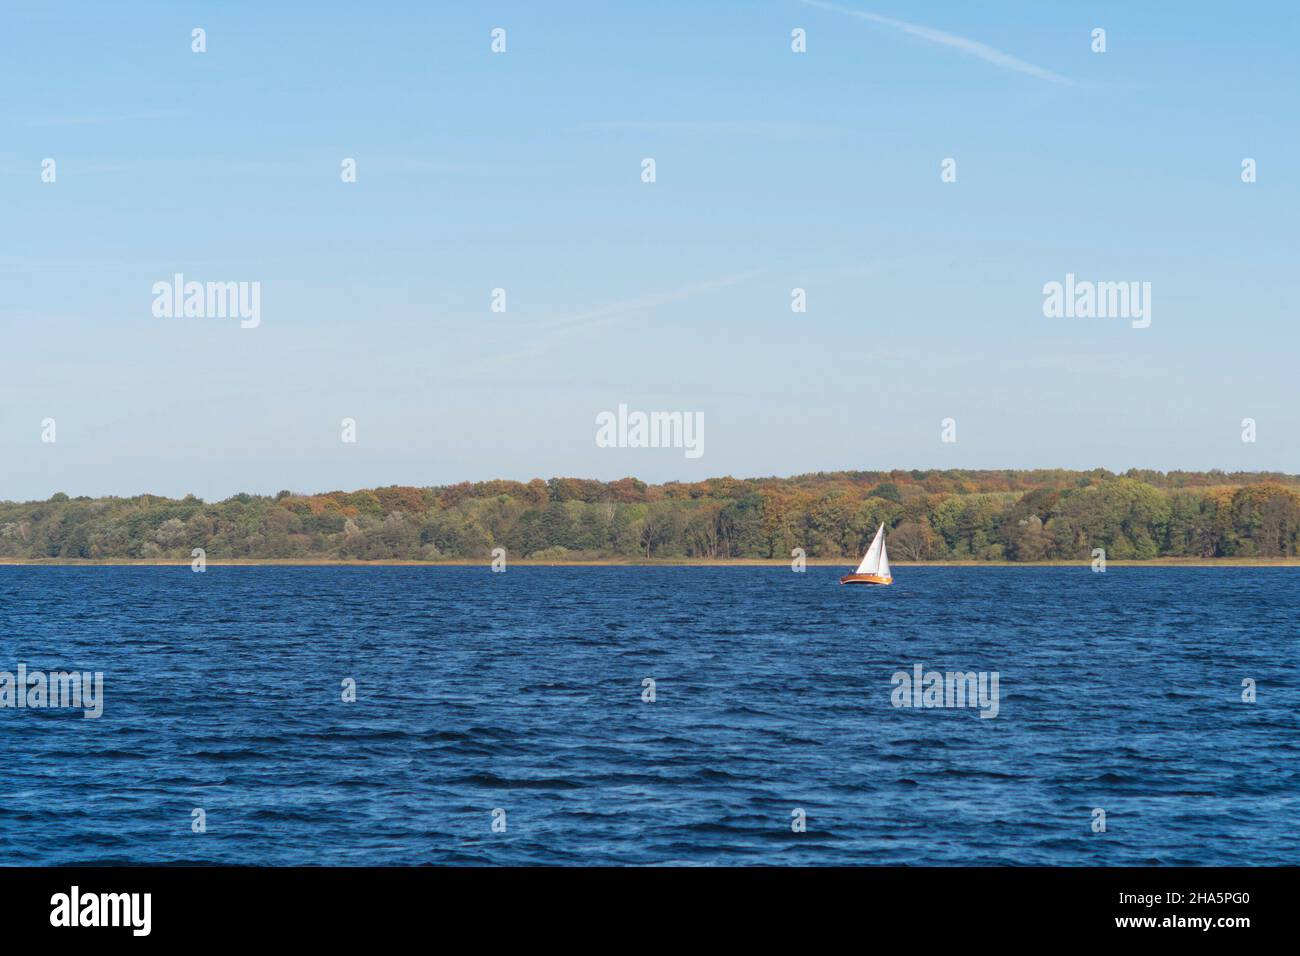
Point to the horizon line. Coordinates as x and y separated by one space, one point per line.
927 472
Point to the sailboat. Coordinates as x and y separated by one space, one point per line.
874 568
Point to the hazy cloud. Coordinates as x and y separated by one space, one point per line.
761 129
96 120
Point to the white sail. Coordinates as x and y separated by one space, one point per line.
871 562
884 561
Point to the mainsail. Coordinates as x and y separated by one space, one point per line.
876 560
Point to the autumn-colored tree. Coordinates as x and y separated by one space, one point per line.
986 515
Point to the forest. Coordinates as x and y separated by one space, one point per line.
931 515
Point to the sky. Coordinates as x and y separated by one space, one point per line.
523 171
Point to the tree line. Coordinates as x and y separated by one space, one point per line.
931 515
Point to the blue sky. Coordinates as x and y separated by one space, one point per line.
775 170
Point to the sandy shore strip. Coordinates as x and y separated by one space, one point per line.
1292 562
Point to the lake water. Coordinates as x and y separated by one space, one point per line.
522 692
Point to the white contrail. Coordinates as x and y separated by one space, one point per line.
972 47
604 315
617 310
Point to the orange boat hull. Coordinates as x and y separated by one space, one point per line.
865 579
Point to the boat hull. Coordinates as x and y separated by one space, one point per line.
865 579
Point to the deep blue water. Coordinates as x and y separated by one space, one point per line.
522 691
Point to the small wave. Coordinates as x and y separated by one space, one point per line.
504 783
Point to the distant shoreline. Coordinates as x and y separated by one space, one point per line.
648 563
958 518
